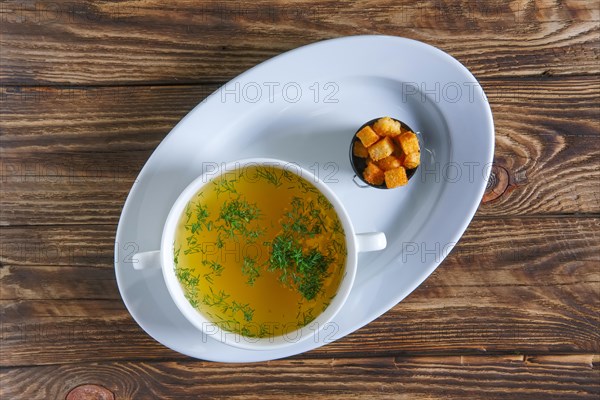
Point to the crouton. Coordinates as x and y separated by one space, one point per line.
390 162
386 126
359 150
408 142
388 149
412 160
381 149
395 177
373 174
367 136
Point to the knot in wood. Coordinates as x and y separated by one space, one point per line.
497 184
90 392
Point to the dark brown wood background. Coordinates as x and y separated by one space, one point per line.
90 88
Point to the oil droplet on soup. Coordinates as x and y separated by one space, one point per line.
260 251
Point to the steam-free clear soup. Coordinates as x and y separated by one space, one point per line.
260 251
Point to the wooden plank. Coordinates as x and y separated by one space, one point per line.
83 119
62 331
187 41
450 377
49 282
68 201
539 154
52 175
511 285
75 245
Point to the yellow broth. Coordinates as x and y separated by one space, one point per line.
260 251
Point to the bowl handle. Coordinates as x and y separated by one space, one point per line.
371 241
146 260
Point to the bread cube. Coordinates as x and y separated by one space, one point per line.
359 150
390 162
367 136
373 174
398 153
381 149
408 142
395 177
387 126
412 160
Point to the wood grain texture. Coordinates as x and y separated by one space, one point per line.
50 173
74 245
71 119
536 289
89 89
451 377
62 42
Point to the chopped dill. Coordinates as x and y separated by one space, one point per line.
201 221
247 332
176 256
337 247
303 220
188 212
305 318
324 202
270 175
223 185
215 266
209 277
253 234
220 301
247 311
201 212
219 243
307 187
299 267
236 214
250 269
190 282
337 227
194 246
287 175
304 270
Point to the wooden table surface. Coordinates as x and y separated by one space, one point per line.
89 89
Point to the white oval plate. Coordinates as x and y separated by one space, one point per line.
304 106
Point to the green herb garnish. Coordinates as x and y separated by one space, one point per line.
190 284
303 219
307 187
201 212
219 243
220 301
225 186
269 175
236 214
247 311
305 318
194 246
176 256
196 225
304 270
301 267
215 266
250 269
